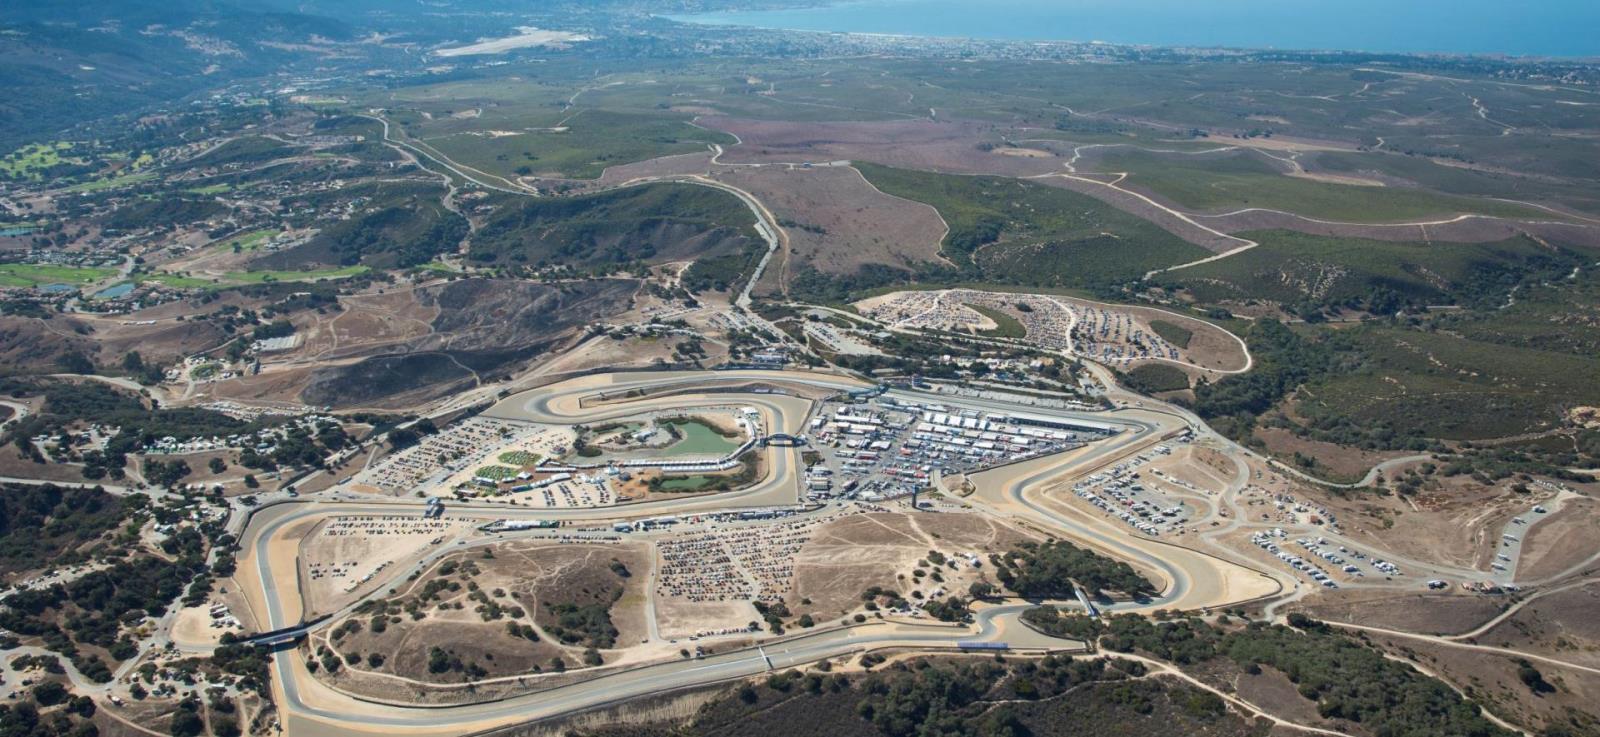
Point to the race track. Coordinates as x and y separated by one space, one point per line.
311 707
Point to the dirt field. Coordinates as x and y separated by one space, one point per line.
13 464
1557 544
525 580
1561 625
193 627
858 224
680 618
164 341
1456 522
1271 690
631 352
882 549
484 329
1427 613
1338 463
367 321
276 386
340 552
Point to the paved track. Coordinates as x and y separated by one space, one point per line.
310 707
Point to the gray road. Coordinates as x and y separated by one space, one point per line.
327 712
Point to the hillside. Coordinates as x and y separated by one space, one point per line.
651 223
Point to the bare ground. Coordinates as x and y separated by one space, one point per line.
848 555
1421 612
526 574
1334 462
1557 544
859 225
1561 625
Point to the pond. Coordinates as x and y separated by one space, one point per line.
685 483
113 292
699 440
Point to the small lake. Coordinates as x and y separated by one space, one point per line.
699 440
113 292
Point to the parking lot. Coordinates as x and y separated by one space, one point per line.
886 447
1133 494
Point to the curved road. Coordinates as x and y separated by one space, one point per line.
310 706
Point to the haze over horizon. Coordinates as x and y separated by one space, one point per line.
1560 28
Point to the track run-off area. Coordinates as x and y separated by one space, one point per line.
1030 493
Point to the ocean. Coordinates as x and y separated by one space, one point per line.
1558 28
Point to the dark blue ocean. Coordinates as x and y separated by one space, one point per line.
1568 28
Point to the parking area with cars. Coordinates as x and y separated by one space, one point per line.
887 447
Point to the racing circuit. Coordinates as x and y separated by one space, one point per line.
1024 492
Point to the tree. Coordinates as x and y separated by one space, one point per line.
186 722
74 362
49 693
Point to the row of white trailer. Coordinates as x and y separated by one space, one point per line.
1265 542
